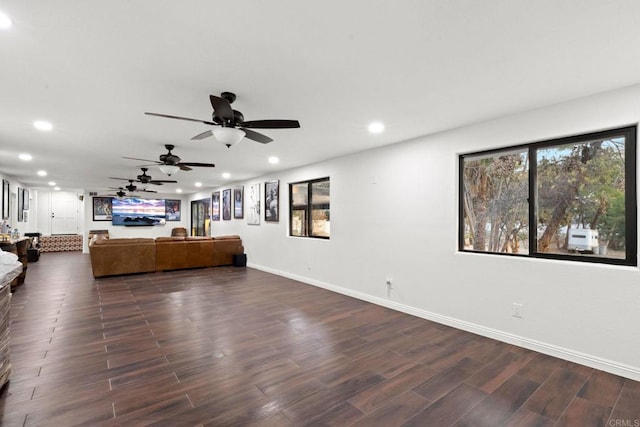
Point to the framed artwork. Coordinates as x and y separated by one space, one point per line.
25 216
5 199
102 208
238 203
215 206
172 210
253 204
226 204
25 200
271 189
20 204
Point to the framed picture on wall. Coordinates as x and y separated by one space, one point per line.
25 200
215 206
172 209
271 189
226 204
238 203
5 199
253 204
102 208
20 204
25 216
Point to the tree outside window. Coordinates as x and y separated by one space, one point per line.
575 197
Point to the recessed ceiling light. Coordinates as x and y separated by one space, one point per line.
56 188
42 125
42 173
198 184
274 160
226 175
25 156
5 21
376 127
179 190
51 183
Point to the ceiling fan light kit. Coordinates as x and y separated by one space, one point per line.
228 136
169 169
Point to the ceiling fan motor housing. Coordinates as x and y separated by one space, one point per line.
169 158
229 96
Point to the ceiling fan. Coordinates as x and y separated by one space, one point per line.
230 124
120 193
170 163
131 187
144 178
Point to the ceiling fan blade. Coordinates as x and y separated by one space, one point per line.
155 162
221 107
123 179
202 135
271 124
183 167
180 118
256 136
201 165
161 181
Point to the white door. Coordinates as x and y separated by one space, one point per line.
64 213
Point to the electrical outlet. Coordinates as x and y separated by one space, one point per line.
516 310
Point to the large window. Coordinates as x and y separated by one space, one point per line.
309 208
571 198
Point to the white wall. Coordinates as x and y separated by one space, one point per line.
22 226
394 213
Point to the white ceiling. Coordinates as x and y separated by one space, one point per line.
93 68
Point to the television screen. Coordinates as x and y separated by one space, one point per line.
135 211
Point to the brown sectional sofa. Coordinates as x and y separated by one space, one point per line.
111 257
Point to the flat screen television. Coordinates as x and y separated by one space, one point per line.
133 211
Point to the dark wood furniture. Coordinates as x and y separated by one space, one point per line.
7 275
18 247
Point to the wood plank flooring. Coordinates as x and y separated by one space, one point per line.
239 347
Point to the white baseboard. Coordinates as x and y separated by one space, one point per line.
591 361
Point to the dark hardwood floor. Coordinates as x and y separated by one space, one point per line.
234 346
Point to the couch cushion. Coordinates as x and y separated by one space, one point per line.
123 241
170 239
229 237
122 256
